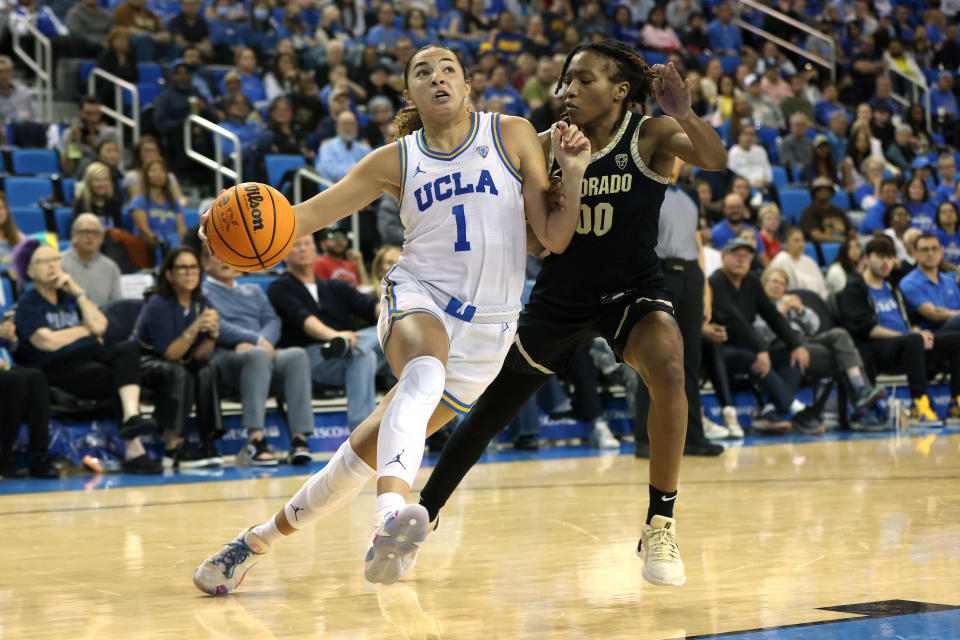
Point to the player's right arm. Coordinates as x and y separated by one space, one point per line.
377 173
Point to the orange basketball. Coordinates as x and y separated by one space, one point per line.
251 226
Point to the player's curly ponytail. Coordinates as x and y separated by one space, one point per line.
630 68
408 119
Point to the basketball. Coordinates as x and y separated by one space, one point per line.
251 227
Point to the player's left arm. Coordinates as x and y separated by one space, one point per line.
680 132
553 223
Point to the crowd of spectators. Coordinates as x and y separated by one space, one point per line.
875 171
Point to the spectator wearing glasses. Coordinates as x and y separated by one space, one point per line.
339 261
59 329
177 331
93 272
933 298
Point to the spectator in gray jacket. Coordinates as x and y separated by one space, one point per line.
16 101
246 359
795 149
94 272
89 23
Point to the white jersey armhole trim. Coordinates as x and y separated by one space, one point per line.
402 147
634 151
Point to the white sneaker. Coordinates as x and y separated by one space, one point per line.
732 422
713 431
601 437
660 554
395 543
223 572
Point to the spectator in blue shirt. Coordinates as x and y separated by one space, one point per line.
225 33
621 28
942 96
415 25
254 139
836 136
156 212
499 87
889 196
384 34
261 33
253 88
338 155
933 298
177 331
724 37
732 224
948 231
247 360
917 199
884 95
947 171
829 105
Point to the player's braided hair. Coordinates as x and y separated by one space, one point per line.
408 118
630 68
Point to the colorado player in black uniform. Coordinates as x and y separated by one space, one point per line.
608 281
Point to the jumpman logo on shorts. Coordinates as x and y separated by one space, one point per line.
396 459
419 171
296 510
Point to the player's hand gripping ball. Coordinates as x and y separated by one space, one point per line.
251 227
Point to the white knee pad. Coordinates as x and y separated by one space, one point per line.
404 425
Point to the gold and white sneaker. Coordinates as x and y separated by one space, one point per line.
660 553
712 430
732 423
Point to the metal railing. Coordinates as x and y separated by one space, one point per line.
829 62
917 85
117 112
215 163
308 173
41 63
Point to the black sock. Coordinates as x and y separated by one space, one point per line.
431 508
661 503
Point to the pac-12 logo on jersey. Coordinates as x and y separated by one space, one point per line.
451 185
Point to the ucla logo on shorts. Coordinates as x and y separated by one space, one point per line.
621 160
483 150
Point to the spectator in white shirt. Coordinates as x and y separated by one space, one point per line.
802 272
750 160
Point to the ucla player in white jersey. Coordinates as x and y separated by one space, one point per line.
464 181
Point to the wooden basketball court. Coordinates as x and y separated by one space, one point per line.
540 549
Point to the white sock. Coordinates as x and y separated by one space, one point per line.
268 531
796 406
327 490
404 424
388 502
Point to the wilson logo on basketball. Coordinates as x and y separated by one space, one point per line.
254 198
225 199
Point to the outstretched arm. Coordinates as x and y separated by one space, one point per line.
377 173
552 220
681 132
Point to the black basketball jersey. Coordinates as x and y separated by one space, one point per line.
612 250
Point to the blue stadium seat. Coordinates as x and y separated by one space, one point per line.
191 217
654 57
277 165
86 66
841 199
27 192
830 251
63 245
729 64
6 294
811 250
768 137
64 218
69 186
793 202
33 161
150 72
29 220
780 176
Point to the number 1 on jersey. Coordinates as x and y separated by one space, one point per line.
461 244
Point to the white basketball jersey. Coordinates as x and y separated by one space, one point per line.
463 212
